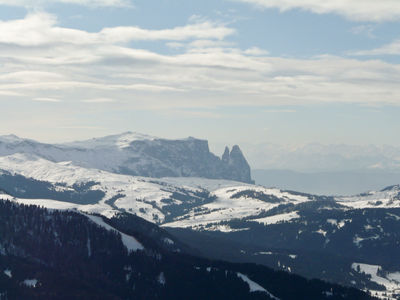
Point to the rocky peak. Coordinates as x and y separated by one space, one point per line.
235 165
226 155
236 153
138 154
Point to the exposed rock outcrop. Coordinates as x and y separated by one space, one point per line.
140 155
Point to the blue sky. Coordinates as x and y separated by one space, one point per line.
243 71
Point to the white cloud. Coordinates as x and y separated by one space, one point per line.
99 100
42 60
41 29
389 49
203 44
10 93
30 76
37 30
202 30
358 10
175 45
256 51
89 3
42 99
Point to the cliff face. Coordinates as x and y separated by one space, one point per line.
140 155
185 158
238 167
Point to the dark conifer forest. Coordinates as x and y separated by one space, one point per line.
50 254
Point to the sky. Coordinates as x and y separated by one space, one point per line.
230 71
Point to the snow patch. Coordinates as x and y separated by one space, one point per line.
255 287
321 232
30 282
382 199
333 222
130 242
281 218
161 279
394 276
357 240
168 241
8 273
225 228
396 217
4 196
391 281
264 253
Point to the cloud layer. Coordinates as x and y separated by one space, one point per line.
89 3
392 48
365 10
44 62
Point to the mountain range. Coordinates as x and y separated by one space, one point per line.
348 240
139 155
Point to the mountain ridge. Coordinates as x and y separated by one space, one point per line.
242 212
138 154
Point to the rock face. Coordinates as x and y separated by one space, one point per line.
185 158
140 155
235 165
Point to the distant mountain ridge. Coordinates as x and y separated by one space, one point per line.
316 157
139 155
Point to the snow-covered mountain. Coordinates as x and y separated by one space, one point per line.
156 200
140 155
194 201
264 225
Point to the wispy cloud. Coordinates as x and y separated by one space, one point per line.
392 48
99 100
202 30
42 99
209 70
279 111
40 29
89 3
366 10
256 51
365 29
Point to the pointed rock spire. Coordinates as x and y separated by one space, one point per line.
225 156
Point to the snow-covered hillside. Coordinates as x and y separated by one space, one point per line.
386 198
236 202
202 201
268 217
174 202
141 196
119 141
140 155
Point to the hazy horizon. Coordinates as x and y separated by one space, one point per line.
301 159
